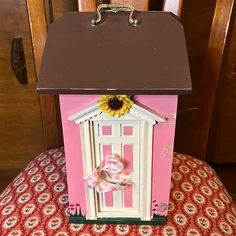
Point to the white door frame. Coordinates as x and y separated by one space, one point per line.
146 131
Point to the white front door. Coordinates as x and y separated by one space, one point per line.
122 138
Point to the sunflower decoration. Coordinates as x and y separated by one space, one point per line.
115 105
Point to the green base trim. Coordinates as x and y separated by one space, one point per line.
156 220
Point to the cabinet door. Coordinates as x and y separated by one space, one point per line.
223 130
120 138
20 126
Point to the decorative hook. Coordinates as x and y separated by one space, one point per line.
115 8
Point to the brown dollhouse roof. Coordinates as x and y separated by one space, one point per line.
114 57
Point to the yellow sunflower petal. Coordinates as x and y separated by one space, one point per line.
104 104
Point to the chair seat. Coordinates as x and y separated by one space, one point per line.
36 203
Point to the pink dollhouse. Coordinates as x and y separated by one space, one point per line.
118 87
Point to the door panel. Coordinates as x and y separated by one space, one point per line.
122 139
20 126
127 153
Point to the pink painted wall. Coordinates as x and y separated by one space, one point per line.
163 141
163 144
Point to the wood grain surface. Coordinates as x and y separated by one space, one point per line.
213 65
141 5
20 127
197 20
223 126
60 7
88 5
48 103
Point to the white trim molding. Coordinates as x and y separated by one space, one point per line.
137 110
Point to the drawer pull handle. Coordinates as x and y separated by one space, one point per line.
18 60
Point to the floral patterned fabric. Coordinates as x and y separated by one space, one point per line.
36 203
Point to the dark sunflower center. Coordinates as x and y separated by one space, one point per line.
115 103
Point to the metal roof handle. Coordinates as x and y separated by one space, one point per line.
115 8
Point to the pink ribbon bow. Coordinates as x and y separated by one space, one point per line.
109 176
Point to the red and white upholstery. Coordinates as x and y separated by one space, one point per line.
36 203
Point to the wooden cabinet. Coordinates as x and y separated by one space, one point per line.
21 133
223 129
20 126
196 17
